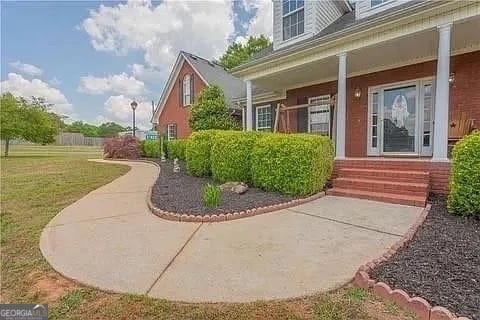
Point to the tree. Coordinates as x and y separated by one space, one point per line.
210 111
29 120
237 53
110 129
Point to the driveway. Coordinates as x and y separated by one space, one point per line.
110 240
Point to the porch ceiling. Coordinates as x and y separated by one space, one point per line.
407 50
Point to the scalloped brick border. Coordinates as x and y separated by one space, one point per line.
173 216
418 305
181 217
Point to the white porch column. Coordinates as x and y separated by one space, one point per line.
442 95
341 106
249 106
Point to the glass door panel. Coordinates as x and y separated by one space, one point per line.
399 119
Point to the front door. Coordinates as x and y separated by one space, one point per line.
400 119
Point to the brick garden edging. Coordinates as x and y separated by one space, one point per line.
418 305
182 217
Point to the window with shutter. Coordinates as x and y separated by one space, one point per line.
186 90
192 88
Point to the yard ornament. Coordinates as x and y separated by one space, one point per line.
176 167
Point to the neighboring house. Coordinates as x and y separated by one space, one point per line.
388 80
189 76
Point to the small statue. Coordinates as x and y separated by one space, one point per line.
176 166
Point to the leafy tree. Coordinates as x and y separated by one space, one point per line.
210 111
237 53
110 129
29 120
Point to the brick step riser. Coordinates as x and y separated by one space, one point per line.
375 187
379 198
386 166
385 177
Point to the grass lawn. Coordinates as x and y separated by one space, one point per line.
38 181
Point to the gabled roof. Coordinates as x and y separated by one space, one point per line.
211 73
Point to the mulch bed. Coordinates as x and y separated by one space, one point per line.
441 263
182 193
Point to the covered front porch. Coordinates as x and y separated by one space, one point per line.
386 95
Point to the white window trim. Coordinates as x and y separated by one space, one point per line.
186 83
257 127
169 137
378 151
313 104
290 13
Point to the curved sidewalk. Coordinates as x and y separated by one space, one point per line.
110 240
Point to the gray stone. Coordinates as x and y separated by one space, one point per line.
229 185
240 188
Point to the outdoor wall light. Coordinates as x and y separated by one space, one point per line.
357 93
451 78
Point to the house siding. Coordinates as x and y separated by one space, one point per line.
364 9
173 111
278 41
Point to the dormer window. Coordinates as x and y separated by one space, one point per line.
374 3
186 90
293 18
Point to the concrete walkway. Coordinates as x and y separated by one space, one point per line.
110 240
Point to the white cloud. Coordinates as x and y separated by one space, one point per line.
117 109
147 74
21 87
262 21
118 83
27 69
160 31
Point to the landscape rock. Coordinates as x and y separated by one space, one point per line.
240 188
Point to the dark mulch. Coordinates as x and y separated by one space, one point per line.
441 264
182 193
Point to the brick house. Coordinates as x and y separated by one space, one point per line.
389 81
392 82
190 74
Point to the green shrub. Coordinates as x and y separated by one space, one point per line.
151 148
297 164
198 153
176 149
464 198
230 156
211 195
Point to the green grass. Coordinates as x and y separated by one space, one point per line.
37 182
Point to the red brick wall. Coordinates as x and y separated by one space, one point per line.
173 111
464 95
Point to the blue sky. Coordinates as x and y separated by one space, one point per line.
90 58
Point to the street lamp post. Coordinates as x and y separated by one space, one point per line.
134 106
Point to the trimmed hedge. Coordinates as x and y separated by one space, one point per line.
176 149
464 198
230 155
296 164
198 153
151 148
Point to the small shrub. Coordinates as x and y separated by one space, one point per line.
464 198
124 147
176 149
151 148
230 155
296 164
211 195
198 153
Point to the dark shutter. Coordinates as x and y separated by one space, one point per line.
192 88
180 91
254 117
302 115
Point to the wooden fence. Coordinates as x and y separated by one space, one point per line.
67 139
